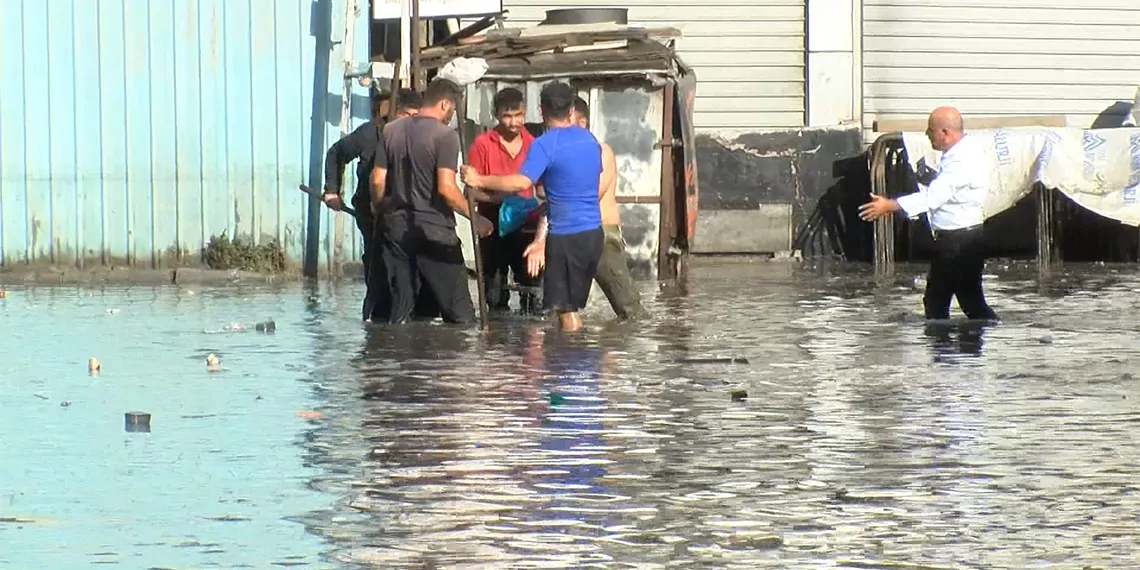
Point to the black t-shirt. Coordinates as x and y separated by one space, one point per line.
413 149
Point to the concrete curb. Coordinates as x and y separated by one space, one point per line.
140 276
48 275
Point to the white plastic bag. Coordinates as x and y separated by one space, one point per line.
464 70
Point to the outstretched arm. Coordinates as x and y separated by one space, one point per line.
535 165
447 149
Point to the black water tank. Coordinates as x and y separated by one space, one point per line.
571 16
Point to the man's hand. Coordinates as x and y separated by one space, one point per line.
333 200
469 175
535 255
483 226
878 207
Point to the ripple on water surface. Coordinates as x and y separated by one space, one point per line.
867 439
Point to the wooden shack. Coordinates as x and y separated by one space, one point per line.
641 99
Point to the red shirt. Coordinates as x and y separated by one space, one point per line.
489 157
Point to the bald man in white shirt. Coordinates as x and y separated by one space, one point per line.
953 203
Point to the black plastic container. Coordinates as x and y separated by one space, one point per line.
137 422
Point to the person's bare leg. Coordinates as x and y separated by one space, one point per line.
570 322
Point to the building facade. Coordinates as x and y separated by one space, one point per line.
789 89
134 131
1076 58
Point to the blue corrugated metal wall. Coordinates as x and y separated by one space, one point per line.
133 130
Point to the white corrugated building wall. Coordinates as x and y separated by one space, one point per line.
748 55
1014 57
866 60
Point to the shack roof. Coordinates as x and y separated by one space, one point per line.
585 50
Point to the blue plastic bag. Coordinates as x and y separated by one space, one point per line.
513 213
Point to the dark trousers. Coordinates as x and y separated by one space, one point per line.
571 266
417 265
378 294
503 256
614 278
956 271
377 300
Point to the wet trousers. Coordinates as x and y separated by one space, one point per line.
956 271
614 278
417 265
378 294
503 256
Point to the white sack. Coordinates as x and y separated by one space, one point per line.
1097 169
464 70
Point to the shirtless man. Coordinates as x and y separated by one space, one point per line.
613 272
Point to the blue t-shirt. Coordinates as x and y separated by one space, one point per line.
567 161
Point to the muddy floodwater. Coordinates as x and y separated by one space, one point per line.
768 415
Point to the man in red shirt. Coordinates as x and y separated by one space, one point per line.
497 152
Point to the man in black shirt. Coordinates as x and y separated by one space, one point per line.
361 145
414 189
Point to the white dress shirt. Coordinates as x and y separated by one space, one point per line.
955 199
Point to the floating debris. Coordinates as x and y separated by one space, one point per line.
41 396
727 360
64 404
137 422
739 395
556 399
94 367
112 312
22 520
308 415
213 364
267 327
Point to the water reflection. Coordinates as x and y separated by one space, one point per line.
952 338
868 438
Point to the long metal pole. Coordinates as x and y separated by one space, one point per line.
461 114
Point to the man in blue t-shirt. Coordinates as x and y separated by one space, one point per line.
566 162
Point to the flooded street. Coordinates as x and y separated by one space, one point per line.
867 439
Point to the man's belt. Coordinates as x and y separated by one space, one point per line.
940 233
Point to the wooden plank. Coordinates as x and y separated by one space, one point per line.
535 44
648 55
638 199
972 123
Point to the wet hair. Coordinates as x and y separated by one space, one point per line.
556 100
582 108
442 90
508 99
408 99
